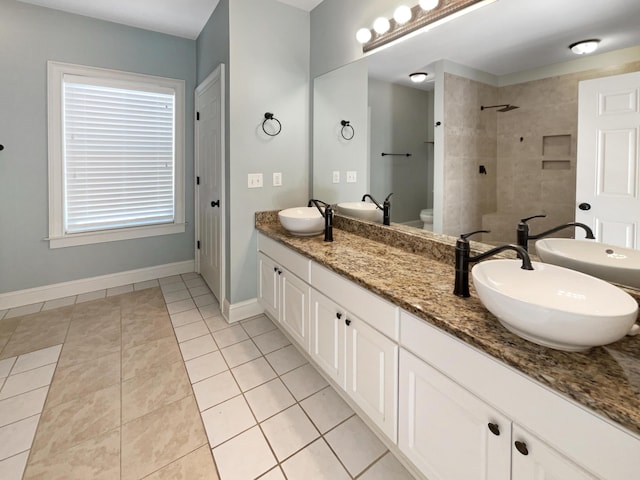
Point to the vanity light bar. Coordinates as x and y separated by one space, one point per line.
445 11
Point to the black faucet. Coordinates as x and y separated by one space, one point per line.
327 213
385 207
524 237
463 259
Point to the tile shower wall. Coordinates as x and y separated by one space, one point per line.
470 141
530 153
537 152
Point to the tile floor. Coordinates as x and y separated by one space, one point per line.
134 366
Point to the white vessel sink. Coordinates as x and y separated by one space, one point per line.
554 306
362 210
302 221
611 263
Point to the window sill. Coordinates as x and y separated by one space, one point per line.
114 235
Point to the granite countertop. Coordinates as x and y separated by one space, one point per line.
415 272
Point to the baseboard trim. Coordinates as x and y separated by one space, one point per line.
242 310
76 287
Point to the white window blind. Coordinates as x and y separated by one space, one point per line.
118 154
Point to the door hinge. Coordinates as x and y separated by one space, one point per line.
197 115
197 180
198 244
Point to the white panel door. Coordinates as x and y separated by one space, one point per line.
446 431
372 374
328 336
608 168
535 460
209 158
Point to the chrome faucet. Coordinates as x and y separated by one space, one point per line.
327 213
463 259
524 237
385 207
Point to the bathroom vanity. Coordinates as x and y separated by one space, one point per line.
451 392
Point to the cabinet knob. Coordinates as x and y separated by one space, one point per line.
279 272
338 315
495 429
348 322
522 447
275 269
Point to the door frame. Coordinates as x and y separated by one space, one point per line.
218 73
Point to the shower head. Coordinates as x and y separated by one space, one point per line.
504 108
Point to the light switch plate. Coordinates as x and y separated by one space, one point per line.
277 179
336 176
254 180
351 177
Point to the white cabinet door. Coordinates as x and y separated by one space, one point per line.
444 430
328 336
535 460
372 374
294 307
268 285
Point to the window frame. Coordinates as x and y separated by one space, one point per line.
55 78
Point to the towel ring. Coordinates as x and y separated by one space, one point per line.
269 116
344 131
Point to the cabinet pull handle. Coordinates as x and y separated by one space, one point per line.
338 315
348 322
522 447
495 429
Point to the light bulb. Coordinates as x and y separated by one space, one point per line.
381 25
363 35
402 14
429 4
584 47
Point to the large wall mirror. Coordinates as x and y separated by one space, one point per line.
475 168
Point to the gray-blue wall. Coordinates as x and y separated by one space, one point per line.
29 36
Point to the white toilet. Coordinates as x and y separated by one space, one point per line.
426 216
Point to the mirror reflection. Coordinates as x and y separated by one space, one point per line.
480 168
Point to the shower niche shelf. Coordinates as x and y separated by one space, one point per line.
557 146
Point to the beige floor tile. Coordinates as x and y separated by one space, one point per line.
71 423
95 459
161 437
84 349
197 465
38 331
141 301
137 333
148 356
148 392
76 381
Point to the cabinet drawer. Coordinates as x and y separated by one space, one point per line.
292 261
378 313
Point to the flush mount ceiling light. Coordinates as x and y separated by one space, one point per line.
402 14
585 46
418 77
428 14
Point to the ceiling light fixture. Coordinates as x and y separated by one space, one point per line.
585 46
418 77
424 16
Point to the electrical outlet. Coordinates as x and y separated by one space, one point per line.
351 177
254 180
277 179
336 176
